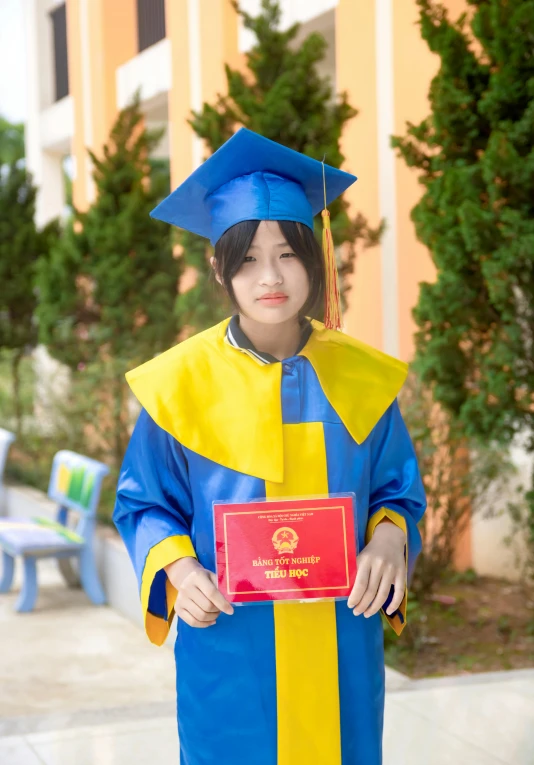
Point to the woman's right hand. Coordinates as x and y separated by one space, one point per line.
199 601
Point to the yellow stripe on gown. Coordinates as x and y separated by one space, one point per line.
307 687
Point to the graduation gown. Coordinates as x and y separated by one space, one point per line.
284 683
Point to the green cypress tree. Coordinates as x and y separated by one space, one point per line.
107 294
21 245
283 97
11 142
476 162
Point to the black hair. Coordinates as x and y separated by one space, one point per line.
234 244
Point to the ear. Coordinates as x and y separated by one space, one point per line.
213 264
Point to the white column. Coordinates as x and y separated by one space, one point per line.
492 524
32 137
52 383
45 167
51 199
386 174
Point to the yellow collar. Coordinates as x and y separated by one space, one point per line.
219 403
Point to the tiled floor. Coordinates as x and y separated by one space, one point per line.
494 718
470 723
68 704
68 655
466 724
134 743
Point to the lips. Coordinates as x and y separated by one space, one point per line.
274 298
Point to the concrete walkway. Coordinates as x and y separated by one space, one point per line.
82 686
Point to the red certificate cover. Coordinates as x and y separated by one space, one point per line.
291 549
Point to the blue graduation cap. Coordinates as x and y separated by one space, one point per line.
253 178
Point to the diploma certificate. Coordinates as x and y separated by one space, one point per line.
291 549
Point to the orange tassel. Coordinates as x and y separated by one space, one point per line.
332 308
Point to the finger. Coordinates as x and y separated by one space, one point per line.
197 596
361 583
400 591
381 595
199 614
186 616
372 588
208 586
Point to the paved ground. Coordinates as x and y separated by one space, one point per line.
81 686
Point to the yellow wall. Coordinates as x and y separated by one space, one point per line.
114 41
414 68
179 98
102 36
356 73
217 30
219 45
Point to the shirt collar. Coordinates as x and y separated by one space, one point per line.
237 339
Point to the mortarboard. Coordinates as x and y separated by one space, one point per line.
253 178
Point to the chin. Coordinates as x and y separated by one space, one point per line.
275 315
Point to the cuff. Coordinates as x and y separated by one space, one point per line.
397 620
165 552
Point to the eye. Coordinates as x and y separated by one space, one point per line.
288 255
248 259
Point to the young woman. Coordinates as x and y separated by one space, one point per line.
269 404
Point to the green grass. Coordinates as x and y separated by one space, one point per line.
460 577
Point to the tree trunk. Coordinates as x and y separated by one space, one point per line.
119 435
529 568
15 369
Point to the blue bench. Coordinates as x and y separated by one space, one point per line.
75 484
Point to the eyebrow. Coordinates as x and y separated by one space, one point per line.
278 244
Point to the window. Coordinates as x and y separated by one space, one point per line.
150 22
61 65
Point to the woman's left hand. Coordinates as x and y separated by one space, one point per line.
380 564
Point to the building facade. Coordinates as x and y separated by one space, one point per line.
87 58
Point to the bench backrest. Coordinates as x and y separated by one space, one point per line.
6 439
75 483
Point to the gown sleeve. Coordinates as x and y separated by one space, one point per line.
153 514
397 494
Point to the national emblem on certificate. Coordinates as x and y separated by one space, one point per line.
291 549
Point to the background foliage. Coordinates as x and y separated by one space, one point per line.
107 292
475 157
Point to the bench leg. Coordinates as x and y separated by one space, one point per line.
89 577
28 596
8 569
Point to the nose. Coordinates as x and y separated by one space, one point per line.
271 274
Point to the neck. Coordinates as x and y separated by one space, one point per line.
280 340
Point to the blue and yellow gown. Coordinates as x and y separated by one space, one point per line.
283 683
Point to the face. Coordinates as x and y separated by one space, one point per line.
272 284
